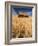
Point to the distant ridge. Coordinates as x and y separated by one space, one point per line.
23 15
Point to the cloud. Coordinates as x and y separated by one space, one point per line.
29 13
13 12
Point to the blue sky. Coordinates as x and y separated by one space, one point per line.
16 10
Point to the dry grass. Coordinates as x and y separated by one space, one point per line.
21 27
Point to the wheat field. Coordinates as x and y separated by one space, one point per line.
21 27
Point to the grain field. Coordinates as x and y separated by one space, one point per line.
21 27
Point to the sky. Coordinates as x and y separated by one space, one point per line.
16 9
